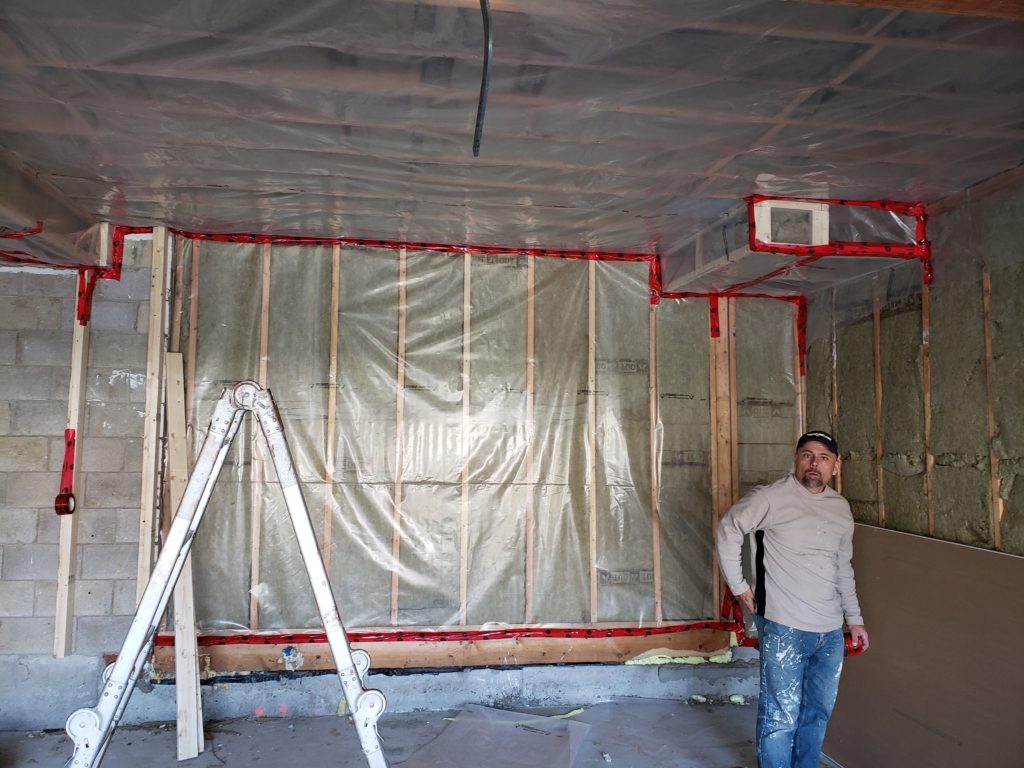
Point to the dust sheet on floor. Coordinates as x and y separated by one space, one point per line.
506 739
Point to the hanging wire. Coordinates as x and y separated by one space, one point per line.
485 80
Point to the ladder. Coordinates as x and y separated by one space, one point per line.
90 728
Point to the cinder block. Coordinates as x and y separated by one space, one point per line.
48 527
108 490
116 316
57 450
97 526
25 382
10 281
60 382
92 598
109 561
138 254
32 489
5 417
59 284
16 598
8 347
18 526
137 386
133 454
127 526
107 386
142 320
30 313
45 602
23 454
44 348
133 286
124 597
29 562
48 417
97 635
27 636
102 454
117 350
114 420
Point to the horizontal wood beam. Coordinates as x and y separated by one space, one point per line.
231 659
991 9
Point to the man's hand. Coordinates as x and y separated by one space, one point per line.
747 598
859 636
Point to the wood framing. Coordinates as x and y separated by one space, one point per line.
653 458
531 472
877 357
193 336
834 379
152 423
926 383
423 655
996 500
186 674
467 324
800 422
68 537
396 519
592 430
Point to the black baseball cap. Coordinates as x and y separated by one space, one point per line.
822 437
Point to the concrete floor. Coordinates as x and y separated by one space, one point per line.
637 733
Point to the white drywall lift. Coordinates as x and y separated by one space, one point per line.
91 728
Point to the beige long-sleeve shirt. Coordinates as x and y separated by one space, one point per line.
804 569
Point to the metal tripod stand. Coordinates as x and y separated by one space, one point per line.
90 729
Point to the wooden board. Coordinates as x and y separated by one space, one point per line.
226 659
940 686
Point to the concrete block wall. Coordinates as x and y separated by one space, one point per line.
37 313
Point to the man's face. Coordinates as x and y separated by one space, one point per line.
816 465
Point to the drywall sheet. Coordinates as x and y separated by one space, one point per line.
502 739
903 459
685 502
937 688
765 390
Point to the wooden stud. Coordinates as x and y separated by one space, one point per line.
531 472
178 293
592 428
152 422
193 338
877 357
996 500
724 467
926 383
652 401
259 457
68 540
467 288
186 675
396 520
834 348
798 379
332 408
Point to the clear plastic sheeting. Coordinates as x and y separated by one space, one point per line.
477 437
620 126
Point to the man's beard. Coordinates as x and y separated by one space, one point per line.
812 482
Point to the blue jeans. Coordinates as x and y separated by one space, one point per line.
799 682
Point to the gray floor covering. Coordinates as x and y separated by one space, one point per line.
626 733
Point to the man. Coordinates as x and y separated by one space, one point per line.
802 551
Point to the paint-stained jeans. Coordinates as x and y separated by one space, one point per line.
799 682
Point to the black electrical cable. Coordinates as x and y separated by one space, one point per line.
485 81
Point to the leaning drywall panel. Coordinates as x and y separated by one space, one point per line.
959 429
227 350
903 459
765 390
999 222
940 686
685 500
855 427
623 430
